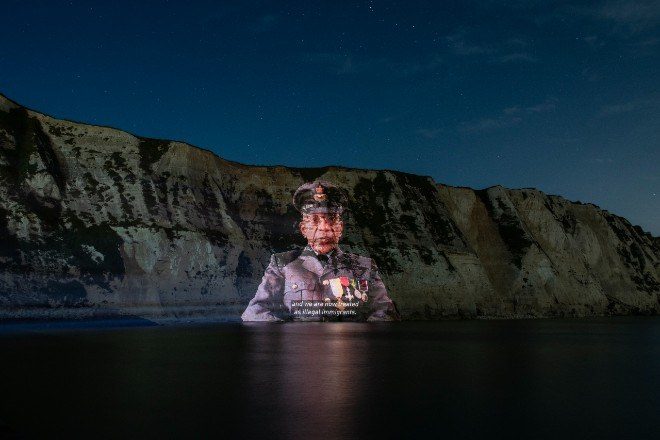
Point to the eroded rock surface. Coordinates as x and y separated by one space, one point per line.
97 221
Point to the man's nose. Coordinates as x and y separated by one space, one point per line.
324 223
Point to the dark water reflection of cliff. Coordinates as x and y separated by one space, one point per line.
590 378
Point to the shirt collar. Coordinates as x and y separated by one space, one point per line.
308 251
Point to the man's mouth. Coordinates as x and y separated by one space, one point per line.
324 240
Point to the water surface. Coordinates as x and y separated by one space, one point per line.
582 378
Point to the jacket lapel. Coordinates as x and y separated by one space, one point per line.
336 263
310 262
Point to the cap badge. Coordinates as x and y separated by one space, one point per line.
320 195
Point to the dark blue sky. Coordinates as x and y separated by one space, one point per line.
563 97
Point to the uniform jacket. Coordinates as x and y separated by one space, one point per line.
299 275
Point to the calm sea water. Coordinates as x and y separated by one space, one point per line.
589 378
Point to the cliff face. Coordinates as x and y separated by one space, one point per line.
94 220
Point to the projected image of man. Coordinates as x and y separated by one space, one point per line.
321 281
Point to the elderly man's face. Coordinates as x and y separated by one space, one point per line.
322 231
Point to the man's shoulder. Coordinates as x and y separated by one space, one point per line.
286 257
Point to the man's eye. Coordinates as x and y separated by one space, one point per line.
316 219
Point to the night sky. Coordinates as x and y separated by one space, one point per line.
559 96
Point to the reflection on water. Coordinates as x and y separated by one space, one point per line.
531 379
310 375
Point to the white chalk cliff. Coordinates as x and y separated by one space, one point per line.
96 221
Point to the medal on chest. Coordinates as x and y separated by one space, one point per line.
348 288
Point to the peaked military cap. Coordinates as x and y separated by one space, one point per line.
319 196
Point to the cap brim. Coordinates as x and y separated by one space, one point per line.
322 210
